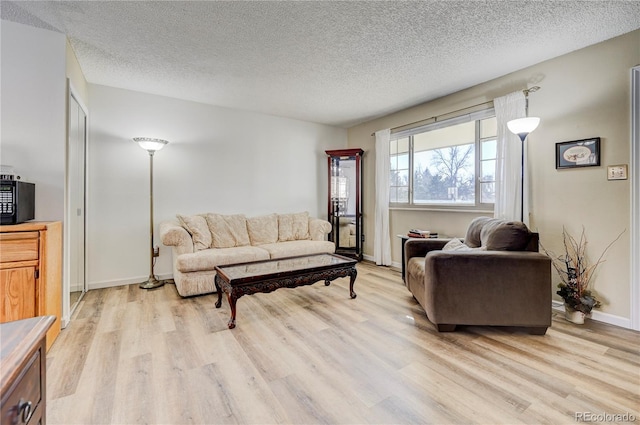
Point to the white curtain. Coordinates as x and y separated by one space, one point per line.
381 238
508 161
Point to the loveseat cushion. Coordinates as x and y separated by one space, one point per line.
293 227
295 248
500 235
197 227
228 231
207 259
263 229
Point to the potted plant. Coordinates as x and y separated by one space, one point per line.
576 274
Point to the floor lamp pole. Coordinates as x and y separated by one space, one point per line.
151 145
522 182
521 127
152 282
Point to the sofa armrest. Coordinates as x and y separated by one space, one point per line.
318 229
173 234
420 247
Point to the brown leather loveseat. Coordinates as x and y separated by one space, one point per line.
496 277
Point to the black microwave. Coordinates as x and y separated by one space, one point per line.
17 201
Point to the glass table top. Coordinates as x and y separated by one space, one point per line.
284 265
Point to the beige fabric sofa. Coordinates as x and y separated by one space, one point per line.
496 277
347 232
202 242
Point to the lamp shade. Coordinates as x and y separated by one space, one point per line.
523 126
150 144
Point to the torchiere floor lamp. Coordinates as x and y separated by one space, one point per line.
151 146
522 127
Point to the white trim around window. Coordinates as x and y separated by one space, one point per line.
403 179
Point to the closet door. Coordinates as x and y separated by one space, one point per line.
76 191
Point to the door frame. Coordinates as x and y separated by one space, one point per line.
635 197
66 282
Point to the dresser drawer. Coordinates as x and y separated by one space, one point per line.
24 399
19 246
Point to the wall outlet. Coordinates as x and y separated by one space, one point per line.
156 251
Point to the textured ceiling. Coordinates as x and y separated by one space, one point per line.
338 63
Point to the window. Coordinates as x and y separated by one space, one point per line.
449 163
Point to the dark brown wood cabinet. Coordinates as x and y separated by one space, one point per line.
345 201
23 364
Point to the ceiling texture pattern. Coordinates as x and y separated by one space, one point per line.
331 62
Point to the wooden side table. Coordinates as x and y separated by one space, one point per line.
403 240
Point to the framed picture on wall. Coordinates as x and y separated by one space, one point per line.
578 153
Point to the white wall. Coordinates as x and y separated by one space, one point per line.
34 112
218 160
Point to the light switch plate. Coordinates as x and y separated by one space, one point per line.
617 172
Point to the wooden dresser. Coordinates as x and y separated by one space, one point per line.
23 365
31 273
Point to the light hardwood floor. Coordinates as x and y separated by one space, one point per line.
312 355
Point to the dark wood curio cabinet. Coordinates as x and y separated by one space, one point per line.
345 201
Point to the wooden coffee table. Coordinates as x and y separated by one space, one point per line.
237 280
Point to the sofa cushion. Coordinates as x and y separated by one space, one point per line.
500 235
293 227
472 238
197 227
294 248
207 259
228 231
415 268
263 229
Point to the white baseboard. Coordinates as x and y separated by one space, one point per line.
599 316
128 281
394 264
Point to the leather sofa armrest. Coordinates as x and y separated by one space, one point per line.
173 234
318 229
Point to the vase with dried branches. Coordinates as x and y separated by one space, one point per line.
576 274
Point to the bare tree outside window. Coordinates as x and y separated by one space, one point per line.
438 167
445 175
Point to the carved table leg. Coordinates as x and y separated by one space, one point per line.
354 274
327 282
219 291
232 303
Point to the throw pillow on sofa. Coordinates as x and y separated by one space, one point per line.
293 227
500 235
197 227
228 231
472 238
263 229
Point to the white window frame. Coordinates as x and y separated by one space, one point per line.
477 206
